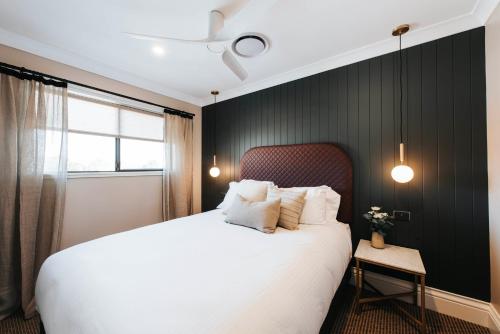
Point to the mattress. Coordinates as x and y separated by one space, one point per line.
195 275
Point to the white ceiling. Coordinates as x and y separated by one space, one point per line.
306 37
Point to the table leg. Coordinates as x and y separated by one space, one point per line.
362 281
357 279
422 304
415 290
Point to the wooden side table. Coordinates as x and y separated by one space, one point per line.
393 257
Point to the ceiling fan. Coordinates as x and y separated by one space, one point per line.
245 45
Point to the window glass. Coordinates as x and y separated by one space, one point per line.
92 117
97 131
140 154
140 125
90 153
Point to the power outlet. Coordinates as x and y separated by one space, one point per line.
402 216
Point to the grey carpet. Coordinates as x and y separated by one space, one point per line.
383 318
16 324
379 318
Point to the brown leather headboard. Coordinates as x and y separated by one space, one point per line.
304 165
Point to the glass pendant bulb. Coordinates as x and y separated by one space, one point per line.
402 173
214 171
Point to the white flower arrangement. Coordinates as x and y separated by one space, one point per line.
380 222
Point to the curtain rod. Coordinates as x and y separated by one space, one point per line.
23 70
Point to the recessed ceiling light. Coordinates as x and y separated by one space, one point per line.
158 50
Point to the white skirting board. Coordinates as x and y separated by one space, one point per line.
462 307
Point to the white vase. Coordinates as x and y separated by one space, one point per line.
377 240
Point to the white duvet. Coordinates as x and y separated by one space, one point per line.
195 275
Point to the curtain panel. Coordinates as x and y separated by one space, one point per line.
178 171
33 151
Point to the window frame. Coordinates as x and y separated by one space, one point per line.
117 138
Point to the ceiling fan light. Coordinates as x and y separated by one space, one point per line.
250 45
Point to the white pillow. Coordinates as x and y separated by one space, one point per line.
332 204
255 191
321 206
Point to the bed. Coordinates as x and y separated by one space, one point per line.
200 275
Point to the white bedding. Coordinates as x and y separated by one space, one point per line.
195 275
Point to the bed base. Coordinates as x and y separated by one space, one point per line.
347 277
343 283
327 325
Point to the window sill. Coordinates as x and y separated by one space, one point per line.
113 174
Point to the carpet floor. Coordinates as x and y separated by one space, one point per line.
378 318
384 318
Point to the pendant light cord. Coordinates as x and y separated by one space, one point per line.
215 124
400 92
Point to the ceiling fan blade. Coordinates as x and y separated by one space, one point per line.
220 30
232 63
215 24
163 38
244 16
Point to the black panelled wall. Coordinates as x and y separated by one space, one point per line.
356 106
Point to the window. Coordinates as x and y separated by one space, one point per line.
90 153
105 137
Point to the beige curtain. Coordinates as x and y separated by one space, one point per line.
33 139
178 171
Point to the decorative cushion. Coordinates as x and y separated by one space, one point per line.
262 216
249 189
321 205
292 203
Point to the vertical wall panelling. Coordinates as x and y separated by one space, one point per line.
414 134
462 150
429 171
480 230
388 156
357 106
446 156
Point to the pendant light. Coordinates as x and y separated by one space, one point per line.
215 171
401 173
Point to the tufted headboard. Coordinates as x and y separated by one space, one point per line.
303 165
